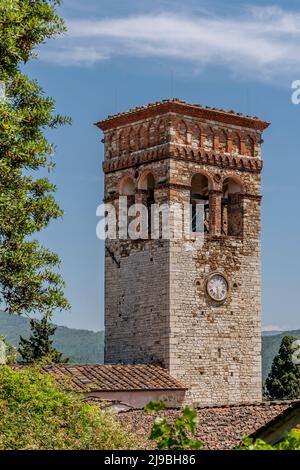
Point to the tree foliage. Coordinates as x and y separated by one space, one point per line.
40 345
177 435
291 441
35 413
29 278
283 382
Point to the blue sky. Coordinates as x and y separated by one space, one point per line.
117 55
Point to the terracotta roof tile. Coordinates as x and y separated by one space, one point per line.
114 377
221 427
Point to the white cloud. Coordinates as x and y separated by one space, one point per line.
274 328
278 328
75 55
264 41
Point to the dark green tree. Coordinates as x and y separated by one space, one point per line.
283 382
40 345
29 277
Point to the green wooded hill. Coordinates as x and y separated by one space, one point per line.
84 346
80 346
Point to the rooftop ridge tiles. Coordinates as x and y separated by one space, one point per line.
116 376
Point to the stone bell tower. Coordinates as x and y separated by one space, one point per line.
195 309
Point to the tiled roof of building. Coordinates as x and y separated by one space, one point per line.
180 106
111 377
221 427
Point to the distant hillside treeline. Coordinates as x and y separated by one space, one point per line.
84 346
81 346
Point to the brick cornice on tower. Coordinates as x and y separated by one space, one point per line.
177 130
183 108
166 151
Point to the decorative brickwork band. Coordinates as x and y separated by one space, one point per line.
183 153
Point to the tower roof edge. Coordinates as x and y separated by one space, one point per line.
184 108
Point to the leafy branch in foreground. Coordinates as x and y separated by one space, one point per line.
177 435
36 413
290 442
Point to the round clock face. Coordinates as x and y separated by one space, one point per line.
217 287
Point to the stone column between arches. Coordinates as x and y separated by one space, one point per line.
215 216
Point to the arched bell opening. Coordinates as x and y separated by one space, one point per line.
199 199
146 186
232 208
127 189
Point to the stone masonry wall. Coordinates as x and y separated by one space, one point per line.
216 349
137 305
